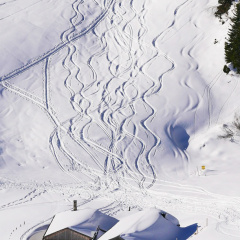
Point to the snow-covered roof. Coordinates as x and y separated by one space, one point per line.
84 221
148 224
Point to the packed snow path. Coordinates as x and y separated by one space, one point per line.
118 97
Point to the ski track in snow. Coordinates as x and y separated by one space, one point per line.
115 113
60 46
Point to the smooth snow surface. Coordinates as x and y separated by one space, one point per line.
117 104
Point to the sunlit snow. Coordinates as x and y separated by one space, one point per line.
117 104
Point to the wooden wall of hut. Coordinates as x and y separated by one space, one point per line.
67 234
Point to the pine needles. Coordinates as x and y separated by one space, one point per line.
223 7
232 45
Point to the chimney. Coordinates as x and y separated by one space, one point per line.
74 205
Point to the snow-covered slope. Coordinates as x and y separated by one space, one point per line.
116 103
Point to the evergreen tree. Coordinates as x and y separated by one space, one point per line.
232 46
223 7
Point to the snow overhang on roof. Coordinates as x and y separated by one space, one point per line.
149 224
84 221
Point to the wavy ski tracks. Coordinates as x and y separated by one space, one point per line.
60 46
120 24
69 64
125 54
107 93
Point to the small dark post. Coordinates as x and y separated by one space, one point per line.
129 209
74 205
163 214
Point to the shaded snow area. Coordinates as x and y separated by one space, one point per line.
117 104
149 224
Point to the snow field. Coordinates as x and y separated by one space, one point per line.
117 104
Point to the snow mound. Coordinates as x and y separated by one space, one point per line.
149 224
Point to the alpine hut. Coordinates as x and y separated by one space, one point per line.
82 224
